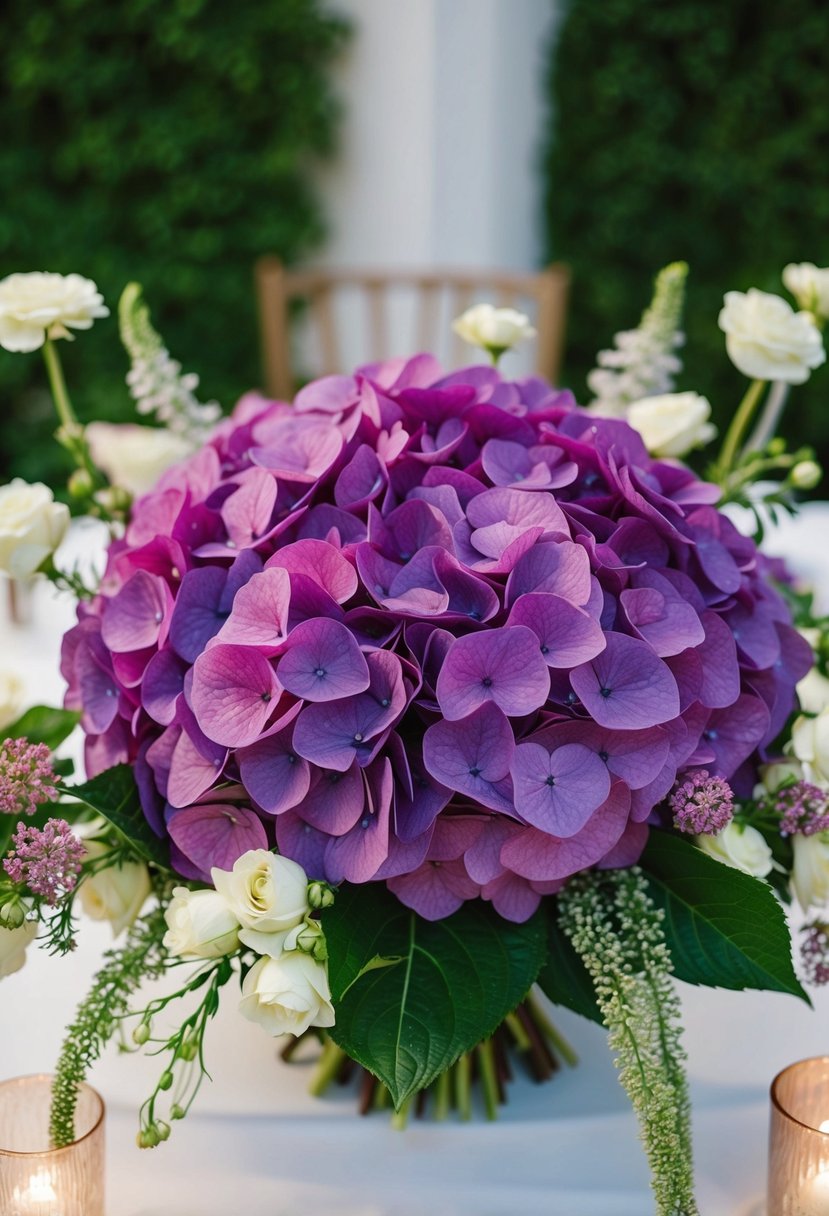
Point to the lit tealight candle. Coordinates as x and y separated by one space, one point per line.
38 1196
814 1197
799 1141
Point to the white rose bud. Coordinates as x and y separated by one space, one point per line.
742 847
672 424
286 995
806 474
265 892
134 457
767 340
116 894
11 698
200 924
493 329
32 525
13 944
810 872
37 305
810 744
809 285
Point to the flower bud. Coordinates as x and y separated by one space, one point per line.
12 913
311 940
80 484
177 1112
188 1050
320 895
141 1034
165 1081
163 1130
114 500
806 474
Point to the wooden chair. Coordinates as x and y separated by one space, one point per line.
437 295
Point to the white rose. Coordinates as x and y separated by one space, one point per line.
813 692
132 456
742 847
32 525
35 306
673 423
810 744
810 872
767 340
286 995
13 944
116 894
266 892
809 285
200 923
11 698
493 329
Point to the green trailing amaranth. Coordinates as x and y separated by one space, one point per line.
141 958
617 930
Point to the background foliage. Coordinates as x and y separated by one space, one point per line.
690 130
162 140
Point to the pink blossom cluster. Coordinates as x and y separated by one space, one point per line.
27 779
702 804
47 860
447 632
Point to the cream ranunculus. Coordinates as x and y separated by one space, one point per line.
38 305
809 284
117 893
740 846
32 525
810 744
200 924
813 692
266 892
493 329
13 944
810 872
767 340
672 424
133 456
288 994
11 698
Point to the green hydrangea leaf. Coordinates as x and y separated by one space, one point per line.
445 987
44 724
724 928
114 795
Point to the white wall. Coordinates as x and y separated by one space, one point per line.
444 112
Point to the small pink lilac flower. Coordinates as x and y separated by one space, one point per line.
803 808
27 779
814 954
703 804
47 860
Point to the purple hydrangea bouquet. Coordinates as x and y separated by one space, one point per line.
416 692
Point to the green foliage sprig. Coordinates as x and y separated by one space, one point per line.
618 932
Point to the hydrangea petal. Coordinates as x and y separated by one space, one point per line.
537 855
626 687
502 666
259 616
233 695
216 835
323 662
558 791
567 635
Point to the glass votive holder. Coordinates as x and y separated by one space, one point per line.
35 1179
799 1140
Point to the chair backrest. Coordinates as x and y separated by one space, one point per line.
438 296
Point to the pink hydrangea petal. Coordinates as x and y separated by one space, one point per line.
321 561
259 616
234 692
216 835
136 617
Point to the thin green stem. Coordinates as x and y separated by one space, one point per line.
554 1036
60 393
330 1061
442 1096
463 1087
739 425
489 1078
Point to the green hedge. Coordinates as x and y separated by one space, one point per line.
168 141
694 130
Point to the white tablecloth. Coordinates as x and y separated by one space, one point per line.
257 1144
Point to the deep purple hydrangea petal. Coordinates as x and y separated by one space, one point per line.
357 855
472 755
322 662
732 734
302 843
162 685
567 635
136 617
626 687
558 791
198 615
275 776
537 855
537 468
335 733
234 692
335 800
502 666
216 835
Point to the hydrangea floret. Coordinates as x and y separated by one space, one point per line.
27 779
702 804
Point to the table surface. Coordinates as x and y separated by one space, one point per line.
257 1143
